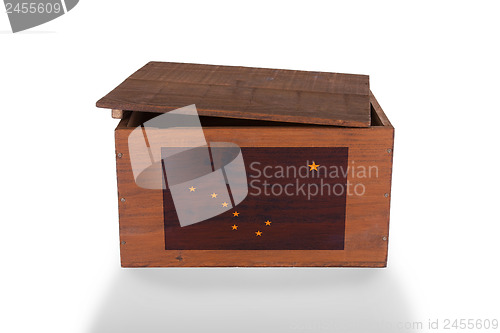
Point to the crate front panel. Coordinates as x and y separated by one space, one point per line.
142 227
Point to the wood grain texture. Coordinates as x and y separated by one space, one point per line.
246 93
367 216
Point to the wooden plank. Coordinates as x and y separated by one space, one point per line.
116 114
246 93
367 218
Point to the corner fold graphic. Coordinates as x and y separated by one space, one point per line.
25 15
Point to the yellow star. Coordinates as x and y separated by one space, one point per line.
313 166
258 233
214 195
191 189
236 214
268 222
224 204
235 227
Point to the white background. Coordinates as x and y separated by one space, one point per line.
434 67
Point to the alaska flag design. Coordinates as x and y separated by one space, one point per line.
269 222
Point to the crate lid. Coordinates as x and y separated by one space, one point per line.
246 93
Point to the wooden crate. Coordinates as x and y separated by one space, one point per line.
285 122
